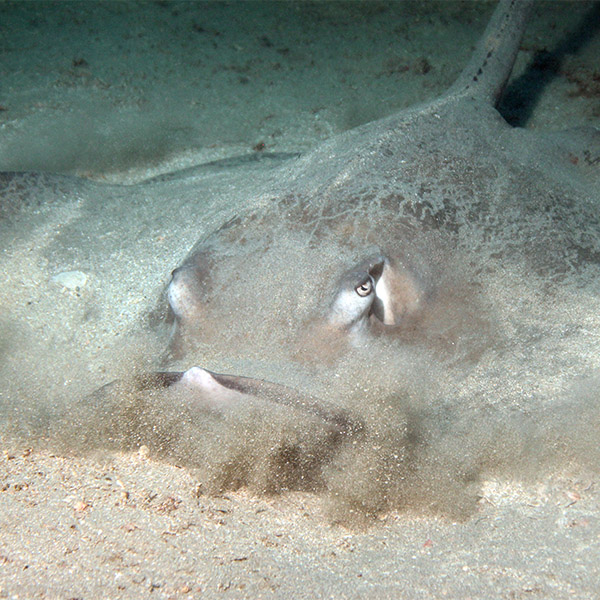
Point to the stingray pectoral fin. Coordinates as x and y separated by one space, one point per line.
210 392
205 388
284 395
218 392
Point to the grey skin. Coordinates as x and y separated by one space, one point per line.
428 186
374 291
357 299
217 392
435 181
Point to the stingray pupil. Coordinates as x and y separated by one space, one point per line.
365 288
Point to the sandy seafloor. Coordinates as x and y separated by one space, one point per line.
121 91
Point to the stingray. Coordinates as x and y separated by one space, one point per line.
428 245
384 233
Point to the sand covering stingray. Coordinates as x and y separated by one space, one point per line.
493 235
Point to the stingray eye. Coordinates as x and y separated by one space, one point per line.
364 288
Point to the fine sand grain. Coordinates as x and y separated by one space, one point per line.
124 91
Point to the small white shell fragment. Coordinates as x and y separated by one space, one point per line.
72 280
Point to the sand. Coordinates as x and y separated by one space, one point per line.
120 92
130 527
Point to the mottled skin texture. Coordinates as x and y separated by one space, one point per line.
279 374
446 191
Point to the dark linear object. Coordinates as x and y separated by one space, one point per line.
223 164
265 390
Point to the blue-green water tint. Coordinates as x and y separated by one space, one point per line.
506 210
132 88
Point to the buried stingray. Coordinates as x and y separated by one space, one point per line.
380 296
372 262
384 235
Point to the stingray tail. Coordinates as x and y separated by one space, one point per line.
487 72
